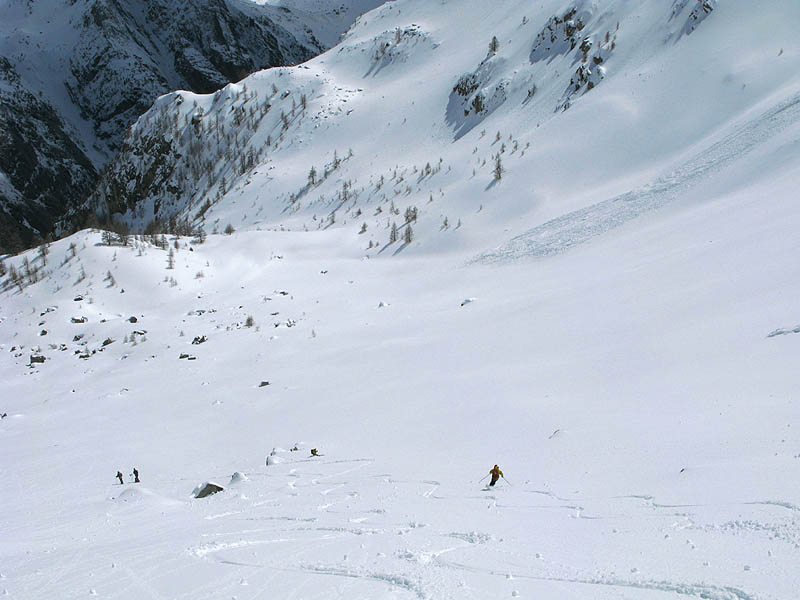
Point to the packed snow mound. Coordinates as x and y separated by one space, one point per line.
238 477
142 496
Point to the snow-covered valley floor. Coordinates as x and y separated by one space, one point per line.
647 429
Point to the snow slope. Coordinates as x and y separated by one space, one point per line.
613 323
388 118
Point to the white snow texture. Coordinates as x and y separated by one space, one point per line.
593 284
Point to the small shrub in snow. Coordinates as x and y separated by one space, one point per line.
408 234
250 321
498 168
229 229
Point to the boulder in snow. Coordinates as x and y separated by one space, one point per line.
206 488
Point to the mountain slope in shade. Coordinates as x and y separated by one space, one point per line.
96 66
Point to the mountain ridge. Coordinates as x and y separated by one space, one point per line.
101 63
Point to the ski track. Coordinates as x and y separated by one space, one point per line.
412 563
787 331
703 591
572 229
388 578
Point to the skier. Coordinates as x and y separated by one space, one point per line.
135 476
496 474
314 452
119 476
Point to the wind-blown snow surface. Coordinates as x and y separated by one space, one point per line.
622 341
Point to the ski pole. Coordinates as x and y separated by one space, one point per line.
482 478
508 482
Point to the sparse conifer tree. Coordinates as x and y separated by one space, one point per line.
393 234
44 250
171 259
498 168
408 234
494 45
312 176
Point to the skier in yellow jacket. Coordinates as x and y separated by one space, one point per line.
496 474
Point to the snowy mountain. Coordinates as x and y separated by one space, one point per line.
405 111
571 252
95 66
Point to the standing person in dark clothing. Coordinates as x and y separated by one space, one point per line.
119 476
135 476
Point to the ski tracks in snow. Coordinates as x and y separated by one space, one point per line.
387 537
379 536
572 229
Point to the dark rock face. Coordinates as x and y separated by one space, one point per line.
132 52
127 54
41 168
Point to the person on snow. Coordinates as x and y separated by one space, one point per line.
496 474
135 476
119 476
314 452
